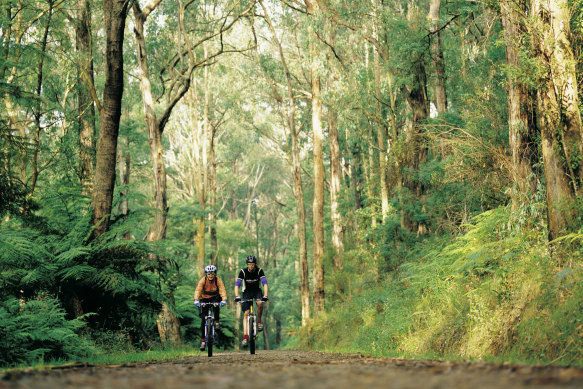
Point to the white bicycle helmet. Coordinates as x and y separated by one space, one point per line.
210 269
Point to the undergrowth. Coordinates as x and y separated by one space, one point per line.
491 294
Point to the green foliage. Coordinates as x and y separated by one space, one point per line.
491 293
153 354
111 278
37 330
12 194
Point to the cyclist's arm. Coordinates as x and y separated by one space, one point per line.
222 290
198 289
264 282
238 283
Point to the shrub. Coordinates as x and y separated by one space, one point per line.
36 330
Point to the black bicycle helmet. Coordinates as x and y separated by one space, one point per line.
251 259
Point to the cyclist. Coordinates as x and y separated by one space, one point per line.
252 275
210 289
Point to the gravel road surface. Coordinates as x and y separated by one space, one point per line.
296 369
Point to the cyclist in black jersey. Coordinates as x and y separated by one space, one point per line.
253 277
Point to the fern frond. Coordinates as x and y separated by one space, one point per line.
73 255
78 273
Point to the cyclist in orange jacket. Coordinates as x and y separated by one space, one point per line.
210 289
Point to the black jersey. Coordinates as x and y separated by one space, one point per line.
252 278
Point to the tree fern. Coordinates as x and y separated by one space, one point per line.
37 330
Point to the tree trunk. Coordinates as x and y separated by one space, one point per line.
318 203
124 175
168 323
85 103
297 174
439 90
202 169
115 12
356 175
301 227
381 132
397 163
370 162
12 51
158 229
278 331
335 174
265 322
200 243
212 172
415 151
237 325
335 183
560 118
200 187
521 103
213 197
38 114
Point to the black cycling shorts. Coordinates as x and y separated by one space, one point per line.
256 295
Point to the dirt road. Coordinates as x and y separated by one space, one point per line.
298 369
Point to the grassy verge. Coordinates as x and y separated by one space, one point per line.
144 356
118 358
492 295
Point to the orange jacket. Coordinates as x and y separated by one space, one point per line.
206 289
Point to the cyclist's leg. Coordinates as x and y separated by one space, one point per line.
259 307
217 310
202 314
245 308
245 325
247 295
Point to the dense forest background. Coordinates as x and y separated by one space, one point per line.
408 173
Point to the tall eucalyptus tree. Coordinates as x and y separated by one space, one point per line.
313 11
439 79
289 112
25 40
114 19
85 99
521 100
559 114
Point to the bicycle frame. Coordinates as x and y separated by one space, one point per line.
251 325
252 321
209 328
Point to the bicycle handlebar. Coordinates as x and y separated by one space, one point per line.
207 304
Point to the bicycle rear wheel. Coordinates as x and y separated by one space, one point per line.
209 337
252 336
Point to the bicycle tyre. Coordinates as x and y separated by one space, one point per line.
210 337
251 337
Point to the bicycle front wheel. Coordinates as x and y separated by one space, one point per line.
252 336
210 337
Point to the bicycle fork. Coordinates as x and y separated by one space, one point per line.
252 325
206 328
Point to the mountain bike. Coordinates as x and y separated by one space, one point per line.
251 325
209 327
